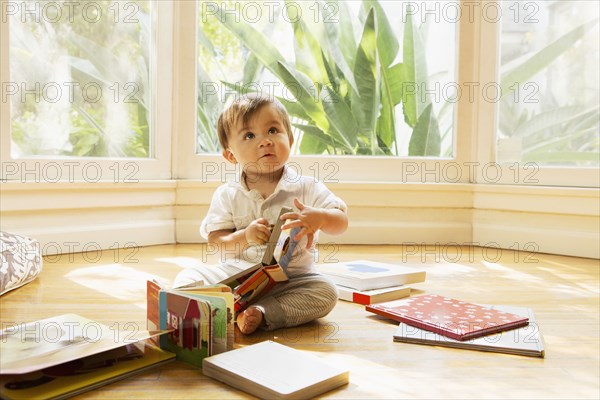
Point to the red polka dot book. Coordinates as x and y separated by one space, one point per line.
453 318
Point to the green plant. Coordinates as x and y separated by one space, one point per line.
554 133
347 91
70 55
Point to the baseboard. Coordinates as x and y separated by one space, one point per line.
74 217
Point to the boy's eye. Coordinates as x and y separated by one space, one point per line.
249 135
273 131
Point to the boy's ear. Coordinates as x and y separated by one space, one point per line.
229 156
291 140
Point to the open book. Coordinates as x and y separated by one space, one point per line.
253 283
270 370
66 355
200 320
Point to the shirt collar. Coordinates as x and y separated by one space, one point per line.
289 181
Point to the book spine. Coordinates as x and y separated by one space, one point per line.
360 298
409 321
494 329
272 243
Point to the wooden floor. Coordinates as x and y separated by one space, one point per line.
562 291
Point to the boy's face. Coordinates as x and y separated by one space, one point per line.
262 147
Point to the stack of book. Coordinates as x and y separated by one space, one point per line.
369 282
441 321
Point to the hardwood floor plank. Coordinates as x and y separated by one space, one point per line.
562 291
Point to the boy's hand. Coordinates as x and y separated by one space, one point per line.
257 232
309 220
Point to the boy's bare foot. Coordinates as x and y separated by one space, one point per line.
249 320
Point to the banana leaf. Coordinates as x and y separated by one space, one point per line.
425 140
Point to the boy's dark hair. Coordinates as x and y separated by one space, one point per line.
244 107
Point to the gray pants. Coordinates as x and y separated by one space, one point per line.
303 299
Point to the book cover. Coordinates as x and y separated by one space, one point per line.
367 297
253 283
199 320
271 370
453 318
83 374
274 247
41 344
524 341
190 322
257 285
368 275
222 313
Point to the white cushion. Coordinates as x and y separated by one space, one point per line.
20 261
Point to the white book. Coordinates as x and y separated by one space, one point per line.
271 370
368 275
524 341
367 297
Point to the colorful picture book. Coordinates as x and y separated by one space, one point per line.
251 284
41 344
270 370
369 275
68 354
524 341
453 318
199 320
366 297
83 374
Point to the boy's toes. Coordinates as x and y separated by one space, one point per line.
249 320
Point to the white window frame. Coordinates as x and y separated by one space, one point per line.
329 169
99 169
522 173
475 122
175 125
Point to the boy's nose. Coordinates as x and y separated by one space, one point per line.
266 141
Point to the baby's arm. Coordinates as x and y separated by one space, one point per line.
230 240
310 220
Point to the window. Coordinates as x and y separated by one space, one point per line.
79 79
358 78
549 71
81 91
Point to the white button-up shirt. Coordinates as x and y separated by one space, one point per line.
233 207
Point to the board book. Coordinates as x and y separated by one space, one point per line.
270 370
40 344
368 275
366 297
524 341
253 283
84 374
68 354
453 318
199 320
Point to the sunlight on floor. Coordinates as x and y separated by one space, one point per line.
116 280
444 268
570 288
511 273
183 262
